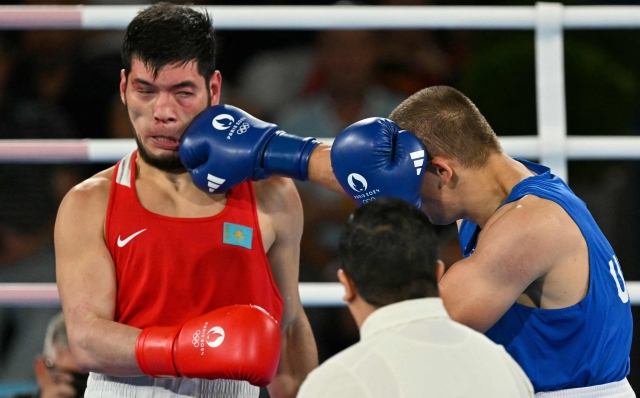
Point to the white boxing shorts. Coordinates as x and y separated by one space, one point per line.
617 389
103 386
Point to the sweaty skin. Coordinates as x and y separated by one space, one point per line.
529 251
160 108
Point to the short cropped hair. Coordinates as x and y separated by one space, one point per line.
389 249
56 336
165 33
448 124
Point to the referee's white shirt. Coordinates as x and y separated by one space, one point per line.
413 349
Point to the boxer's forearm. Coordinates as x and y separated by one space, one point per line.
105 346
298 357
320 171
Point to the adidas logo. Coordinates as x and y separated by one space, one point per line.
214 182
418 160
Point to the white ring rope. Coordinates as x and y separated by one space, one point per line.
321 294
112 150
46 294
327 17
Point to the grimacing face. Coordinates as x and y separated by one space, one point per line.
161 108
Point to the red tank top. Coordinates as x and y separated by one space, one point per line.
170 270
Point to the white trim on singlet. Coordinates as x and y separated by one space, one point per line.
617 389
124 171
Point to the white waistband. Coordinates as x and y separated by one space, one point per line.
617 389
99 386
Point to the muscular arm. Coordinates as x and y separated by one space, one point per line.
320 171
520 246
279 201
87 283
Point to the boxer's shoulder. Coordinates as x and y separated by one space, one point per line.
279 210
277 193
535 230
90 197
531 214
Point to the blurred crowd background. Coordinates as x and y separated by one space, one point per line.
64 84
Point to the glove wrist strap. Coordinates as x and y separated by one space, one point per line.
154 351
288 155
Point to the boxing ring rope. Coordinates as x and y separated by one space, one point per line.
112 150
320 294
550 146
330 17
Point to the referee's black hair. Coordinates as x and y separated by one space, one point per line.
166 33
390 251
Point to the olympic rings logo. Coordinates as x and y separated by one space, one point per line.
196 339
243 129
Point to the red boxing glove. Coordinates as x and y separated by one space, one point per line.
237 342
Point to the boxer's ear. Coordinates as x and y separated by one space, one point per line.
215 85
123 86
350 291
442 168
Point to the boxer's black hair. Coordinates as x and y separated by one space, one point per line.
390 251
165 33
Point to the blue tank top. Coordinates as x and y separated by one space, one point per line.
585 344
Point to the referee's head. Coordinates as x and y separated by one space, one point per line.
388 253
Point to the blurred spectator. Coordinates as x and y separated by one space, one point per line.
409 346
341 90
46 59
412 59
57 372
76 71
273 79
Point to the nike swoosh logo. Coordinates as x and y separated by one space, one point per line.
122 243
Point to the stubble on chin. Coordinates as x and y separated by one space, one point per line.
168 163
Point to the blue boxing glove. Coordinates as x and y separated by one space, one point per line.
374 158
225 146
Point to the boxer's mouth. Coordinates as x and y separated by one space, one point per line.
165 142
163 138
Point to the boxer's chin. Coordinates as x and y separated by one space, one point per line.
169 163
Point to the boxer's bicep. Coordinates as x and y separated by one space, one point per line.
280 211
84 268
86 280
478 290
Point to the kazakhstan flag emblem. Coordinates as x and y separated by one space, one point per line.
237 235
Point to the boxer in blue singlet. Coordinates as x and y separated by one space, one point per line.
585 344
538 276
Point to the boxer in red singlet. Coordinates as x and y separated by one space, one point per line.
141 251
